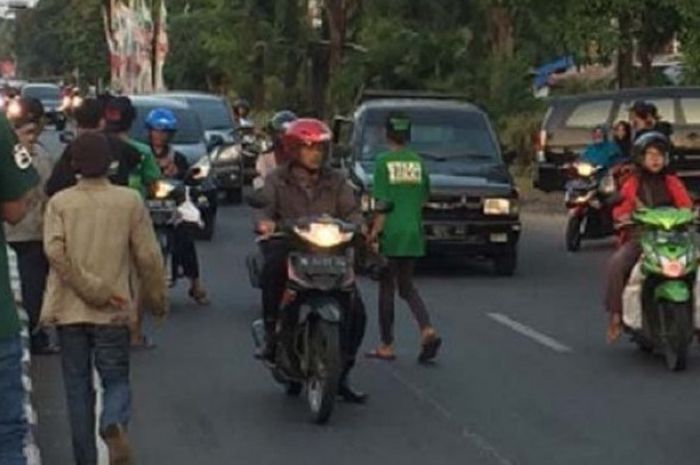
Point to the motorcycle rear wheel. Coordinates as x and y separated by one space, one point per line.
676 341
325 366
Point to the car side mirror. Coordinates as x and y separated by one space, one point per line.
66 137
215 141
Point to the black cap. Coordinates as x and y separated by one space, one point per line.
91 155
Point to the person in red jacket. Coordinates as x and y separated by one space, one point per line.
651 186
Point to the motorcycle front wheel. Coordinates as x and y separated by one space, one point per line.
573 233
324 366
679 329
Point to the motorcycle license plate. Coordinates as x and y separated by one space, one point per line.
322 265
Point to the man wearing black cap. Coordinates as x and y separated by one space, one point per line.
94 233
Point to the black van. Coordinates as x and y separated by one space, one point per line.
473 209
566 129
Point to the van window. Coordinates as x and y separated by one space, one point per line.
691 109
590 114
665 106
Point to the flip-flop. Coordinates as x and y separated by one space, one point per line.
199 297
377 355
430 349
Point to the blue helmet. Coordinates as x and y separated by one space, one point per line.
161 119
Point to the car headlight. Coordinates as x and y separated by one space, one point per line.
323 235
500 207
230 153
203 167
585 170
163 189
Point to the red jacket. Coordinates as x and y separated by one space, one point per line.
676 190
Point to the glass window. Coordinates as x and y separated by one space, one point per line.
189 128
590 114
437 133
214 114
691 109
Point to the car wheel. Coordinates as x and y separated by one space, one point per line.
506 264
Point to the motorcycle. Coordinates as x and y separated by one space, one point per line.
586 198
174 201
659 300
321 276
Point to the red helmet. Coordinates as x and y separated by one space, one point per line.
305 131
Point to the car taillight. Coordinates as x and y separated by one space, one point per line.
540 145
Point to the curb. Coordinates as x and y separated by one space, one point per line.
31 449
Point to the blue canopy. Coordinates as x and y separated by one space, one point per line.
543 72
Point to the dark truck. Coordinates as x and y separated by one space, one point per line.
566 129
473 207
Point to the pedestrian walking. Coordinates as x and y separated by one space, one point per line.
94 233
400 178
17 179
26 238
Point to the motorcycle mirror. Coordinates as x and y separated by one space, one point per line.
214 141
383 206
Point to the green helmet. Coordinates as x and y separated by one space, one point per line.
650 139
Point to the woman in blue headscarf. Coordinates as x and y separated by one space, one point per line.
602 152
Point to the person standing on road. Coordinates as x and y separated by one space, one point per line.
400 178
26 238
94 233
17 179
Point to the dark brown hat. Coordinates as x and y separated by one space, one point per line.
91 155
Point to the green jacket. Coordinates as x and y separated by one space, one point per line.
147 172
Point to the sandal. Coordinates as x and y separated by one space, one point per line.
429 348
382 353
199 296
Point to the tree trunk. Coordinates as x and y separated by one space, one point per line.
501 31
336 11
259 75
290 31
318 81
625 53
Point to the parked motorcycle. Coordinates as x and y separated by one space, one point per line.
659 302
586 198
321 270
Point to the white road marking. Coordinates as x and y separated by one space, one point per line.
472 437
530 333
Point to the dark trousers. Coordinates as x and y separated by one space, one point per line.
14 426
399 272
620 267
33 267
185 260
274 281
107 349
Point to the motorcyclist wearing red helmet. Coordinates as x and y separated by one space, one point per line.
305 186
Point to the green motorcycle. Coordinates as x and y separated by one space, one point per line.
669 267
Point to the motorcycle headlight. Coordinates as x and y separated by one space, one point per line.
501 207
163 189
607 185
230 153
14 109
323 235
203 168
585 170
76 102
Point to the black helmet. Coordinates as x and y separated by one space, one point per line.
650 139
279 122
119 114
241 103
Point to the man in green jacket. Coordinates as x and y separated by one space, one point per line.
400 177
17 179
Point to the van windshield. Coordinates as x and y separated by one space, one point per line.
437 134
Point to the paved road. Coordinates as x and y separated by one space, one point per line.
525 377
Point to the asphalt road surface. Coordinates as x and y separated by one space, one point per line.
525 376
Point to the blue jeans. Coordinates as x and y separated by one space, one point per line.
13 421
107 347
